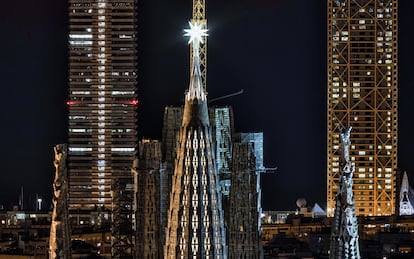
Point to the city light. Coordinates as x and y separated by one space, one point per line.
196 33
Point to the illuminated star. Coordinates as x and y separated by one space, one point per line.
196 33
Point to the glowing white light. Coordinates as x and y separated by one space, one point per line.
196 33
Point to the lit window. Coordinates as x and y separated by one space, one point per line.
80 36
81 92
80 42
122 92
78 130
80 149
122 149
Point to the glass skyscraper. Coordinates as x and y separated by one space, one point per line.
362 93
102 98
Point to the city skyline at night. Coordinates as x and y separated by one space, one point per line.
274 50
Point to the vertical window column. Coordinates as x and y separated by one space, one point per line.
101 99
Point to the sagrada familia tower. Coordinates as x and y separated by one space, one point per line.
344 236
195 216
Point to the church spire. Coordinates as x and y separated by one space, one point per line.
406 207
344 234
195 226
196 89
195 107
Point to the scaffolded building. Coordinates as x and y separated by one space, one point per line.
122 228
221 121
195 217
243 232
151 200
362 91
234 197
256 139
102 98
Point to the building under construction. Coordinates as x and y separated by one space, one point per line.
243 232
242 197
151 200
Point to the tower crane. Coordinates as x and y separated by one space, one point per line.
199 16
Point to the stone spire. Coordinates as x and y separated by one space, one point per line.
59 241
195 107
195 226
406 207
344 236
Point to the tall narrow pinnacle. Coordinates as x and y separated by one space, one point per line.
196 89
195 107
344 235
195 226
406 207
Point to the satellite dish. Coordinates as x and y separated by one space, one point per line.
301 202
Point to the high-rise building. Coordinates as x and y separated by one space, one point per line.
102 98
362 93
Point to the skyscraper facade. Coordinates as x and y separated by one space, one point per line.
102 98
362 93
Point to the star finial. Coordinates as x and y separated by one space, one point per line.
196 33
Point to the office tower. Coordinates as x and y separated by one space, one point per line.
195 217
344 234
102 98
362 93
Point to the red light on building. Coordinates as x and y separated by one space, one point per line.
70 102
133 102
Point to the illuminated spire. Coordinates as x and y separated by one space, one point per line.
406 207
195 226
196 34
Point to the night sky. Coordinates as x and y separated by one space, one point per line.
273 49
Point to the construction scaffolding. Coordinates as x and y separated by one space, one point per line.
122 231
243 234
152 202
